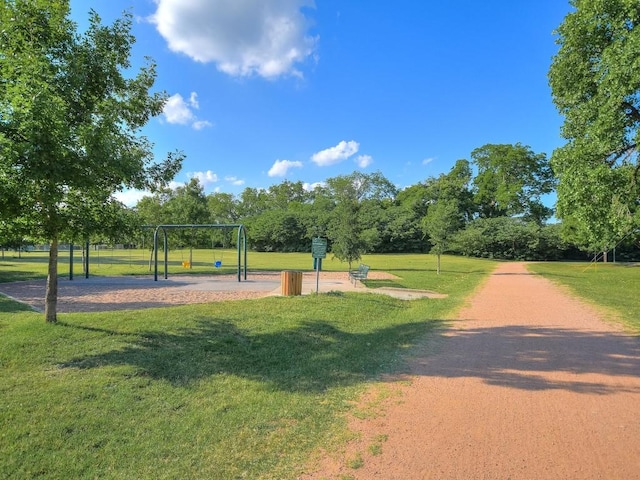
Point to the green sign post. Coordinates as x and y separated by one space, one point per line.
319 247
318 251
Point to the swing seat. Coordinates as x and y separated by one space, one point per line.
217 263
186 264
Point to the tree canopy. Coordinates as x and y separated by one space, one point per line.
511 180
595 82
70 119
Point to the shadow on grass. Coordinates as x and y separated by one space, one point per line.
384 283
317 355
20 276
8 305
311 358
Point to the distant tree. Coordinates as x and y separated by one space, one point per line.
286 195
440 223
450 206
278 231
345 227
253 201
187 205
70 119
511 180
511 238
595 82
223 209
406 230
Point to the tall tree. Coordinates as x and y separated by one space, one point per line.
595 82
70 118
511 181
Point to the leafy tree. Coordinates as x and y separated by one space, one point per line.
595 82
511 238
187 205
287 195
223 208
70 119
450 206
511 180
406 231
439 224
278 231
345 227
253 201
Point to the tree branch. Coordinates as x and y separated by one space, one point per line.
632 111
625 152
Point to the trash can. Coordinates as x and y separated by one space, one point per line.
291 282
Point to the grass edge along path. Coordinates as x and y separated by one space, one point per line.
246 389
611 288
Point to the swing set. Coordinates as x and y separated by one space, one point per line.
242 246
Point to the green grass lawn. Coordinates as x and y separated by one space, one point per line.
415 270
615 287
245 389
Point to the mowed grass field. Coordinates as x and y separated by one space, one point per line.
614 287
244 389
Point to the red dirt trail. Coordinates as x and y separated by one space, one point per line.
527 383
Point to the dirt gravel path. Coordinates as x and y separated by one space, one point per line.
528 383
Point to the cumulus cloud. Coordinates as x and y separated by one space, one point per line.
310 187
179 111
336 154
268 38
364 161
206 179
131 197
234 180
173 185
281 167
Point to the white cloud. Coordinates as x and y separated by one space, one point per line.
234 180
427 161
173 185
179 111
364 161
336 154
176 110
310 187
242 37
281 167
205 178
131 197
200 124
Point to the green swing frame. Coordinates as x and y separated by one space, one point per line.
241 243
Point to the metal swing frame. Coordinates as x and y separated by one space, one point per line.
242 246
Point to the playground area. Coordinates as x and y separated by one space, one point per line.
109 293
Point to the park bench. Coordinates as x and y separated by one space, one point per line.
360 273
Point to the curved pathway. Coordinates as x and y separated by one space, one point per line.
528 383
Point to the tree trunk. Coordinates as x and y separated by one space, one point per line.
51 296
438 263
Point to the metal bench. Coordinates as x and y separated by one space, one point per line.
359 274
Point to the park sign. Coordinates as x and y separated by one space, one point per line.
319 247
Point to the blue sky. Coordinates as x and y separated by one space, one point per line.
267 90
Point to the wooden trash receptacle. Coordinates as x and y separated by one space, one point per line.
291 282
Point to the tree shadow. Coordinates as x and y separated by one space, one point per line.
8 305
310 358
539 358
